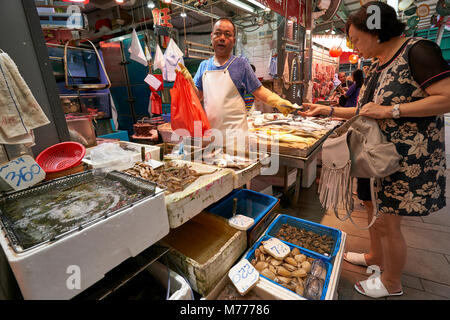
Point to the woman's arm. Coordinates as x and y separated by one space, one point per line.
318 109
437 103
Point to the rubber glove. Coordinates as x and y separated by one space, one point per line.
284 106
185 73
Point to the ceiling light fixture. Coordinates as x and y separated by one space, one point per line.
78 1
256 3
183 14
119 1
150 4
167 1
241 5
202 12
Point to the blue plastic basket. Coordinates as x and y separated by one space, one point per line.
309 226
251 255
250 203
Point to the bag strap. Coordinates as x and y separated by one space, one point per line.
349 210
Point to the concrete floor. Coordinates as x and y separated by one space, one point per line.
427 272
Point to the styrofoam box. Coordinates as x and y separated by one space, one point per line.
282 293
262 291
309 173
204 249
151 152
278 179
63 269
206 190
179 288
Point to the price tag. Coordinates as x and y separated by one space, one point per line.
276 248
241 222
21 173
244 276
153 81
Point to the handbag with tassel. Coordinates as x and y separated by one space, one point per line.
356 149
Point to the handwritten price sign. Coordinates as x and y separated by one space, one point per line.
21 173
244 276
241 222
276 248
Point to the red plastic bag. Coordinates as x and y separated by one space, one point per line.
156 103
186 108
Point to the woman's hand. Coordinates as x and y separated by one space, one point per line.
376 111
311 110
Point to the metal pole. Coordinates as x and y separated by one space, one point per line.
441 31
307 65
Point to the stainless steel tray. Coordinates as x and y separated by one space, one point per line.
146 187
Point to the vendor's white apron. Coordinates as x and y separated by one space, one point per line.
223 103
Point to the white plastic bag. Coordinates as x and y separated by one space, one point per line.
111 156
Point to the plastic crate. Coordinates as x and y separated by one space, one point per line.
309 226
251 255
250 203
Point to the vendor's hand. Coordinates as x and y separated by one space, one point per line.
376 111
284 106
312 110
185 73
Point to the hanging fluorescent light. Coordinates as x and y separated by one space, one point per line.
78 1
183 14
241 5
167 1
119 1
256 3
150 4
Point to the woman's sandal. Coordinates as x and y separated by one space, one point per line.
355 258
374 288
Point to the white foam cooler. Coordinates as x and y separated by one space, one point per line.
51 271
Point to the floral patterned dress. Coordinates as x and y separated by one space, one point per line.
418 188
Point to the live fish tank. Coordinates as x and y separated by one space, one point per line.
55 209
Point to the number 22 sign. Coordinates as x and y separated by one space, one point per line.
21 173
244 276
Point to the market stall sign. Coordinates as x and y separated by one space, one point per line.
276 248
241 222
161 17
21 173
243 276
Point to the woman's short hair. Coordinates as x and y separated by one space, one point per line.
390 26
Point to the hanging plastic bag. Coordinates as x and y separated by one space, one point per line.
135 50
156 103
186 108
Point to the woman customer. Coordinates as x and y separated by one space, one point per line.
353 92
407 90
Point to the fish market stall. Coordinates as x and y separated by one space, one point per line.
83 223
294 140
304 272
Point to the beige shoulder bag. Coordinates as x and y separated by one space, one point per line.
356 149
